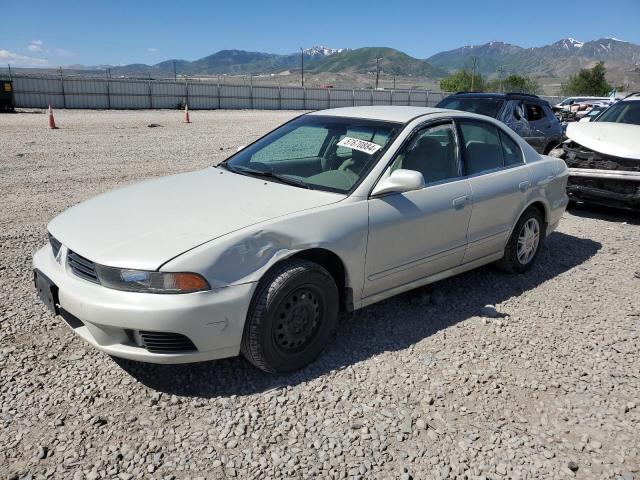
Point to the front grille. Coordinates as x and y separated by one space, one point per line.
55 245
577 156
82 267
164 342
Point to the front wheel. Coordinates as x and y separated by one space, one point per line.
292 315
524 243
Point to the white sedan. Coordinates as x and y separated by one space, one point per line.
332 211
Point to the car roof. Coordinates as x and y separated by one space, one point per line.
388 113
398 113
632 96
528 96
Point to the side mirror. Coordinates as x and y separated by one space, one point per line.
400 181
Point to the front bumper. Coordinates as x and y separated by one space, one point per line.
618 188
111 320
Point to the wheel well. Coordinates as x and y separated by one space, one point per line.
333 264
540 207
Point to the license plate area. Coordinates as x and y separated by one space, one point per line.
47 291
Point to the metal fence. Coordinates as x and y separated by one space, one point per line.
84 92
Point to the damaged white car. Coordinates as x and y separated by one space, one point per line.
603 156
331 212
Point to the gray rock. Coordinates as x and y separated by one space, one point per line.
489 311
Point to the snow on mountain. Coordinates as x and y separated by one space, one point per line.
322 51
569 44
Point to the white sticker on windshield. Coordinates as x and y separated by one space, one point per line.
360 145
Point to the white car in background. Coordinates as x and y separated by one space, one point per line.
569 102
603 156
333 211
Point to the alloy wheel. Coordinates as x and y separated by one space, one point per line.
528 240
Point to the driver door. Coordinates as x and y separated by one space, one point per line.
419 233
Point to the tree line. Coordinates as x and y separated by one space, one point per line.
588 81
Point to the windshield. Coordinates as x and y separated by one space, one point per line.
313 151
622 112
482 106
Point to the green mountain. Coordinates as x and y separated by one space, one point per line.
363 60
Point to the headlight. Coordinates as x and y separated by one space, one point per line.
150 282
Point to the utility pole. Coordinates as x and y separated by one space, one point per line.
302 66
473 72
175 77
9 65
501 70
377 70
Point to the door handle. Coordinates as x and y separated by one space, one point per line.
524 186
460 202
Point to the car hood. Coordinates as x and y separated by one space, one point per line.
144 225
615 139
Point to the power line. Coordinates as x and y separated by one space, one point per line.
302 66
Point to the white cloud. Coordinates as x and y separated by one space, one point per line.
63 53
21 60
35 46
152 50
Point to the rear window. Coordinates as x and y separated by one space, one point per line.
534 112
482 148
510 150
482 106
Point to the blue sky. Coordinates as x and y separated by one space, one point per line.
121 32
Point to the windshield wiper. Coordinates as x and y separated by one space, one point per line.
263 173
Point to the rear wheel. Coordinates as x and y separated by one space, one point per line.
524 243
292 316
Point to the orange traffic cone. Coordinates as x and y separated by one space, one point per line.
186 114
52 121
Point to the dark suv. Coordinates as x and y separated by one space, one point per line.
528 115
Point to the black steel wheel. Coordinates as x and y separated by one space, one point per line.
291 318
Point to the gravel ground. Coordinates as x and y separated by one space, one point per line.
431 384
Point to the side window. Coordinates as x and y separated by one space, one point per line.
432 152
482 148
510 150
534 112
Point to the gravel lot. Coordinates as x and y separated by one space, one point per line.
419 386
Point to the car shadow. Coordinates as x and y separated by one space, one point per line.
391 325
601 212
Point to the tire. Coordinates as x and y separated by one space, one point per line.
291 318
517 260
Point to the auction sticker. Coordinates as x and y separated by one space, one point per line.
360 145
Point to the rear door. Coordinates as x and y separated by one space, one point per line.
500 182
539 125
